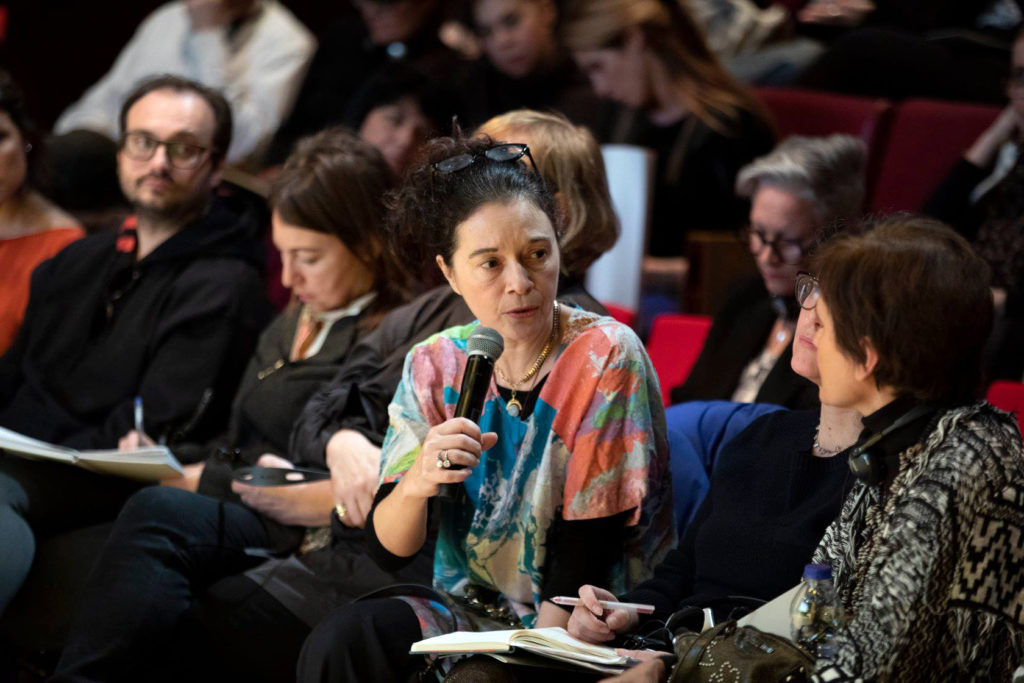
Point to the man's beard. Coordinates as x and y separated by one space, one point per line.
180 211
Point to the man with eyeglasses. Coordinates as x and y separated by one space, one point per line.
167 310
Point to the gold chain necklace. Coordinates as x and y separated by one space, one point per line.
514 407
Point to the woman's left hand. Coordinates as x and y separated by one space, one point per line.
293 505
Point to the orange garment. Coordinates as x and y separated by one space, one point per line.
19 256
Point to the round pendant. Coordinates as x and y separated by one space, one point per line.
514 407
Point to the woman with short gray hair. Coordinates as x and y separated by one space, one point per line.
802 188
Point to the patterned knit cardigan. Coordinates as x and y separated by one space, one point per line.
931 572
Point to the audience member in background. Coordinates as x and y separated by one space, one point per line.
756 44
587 496
328 222
166 311
676 99
254 51
32 229
983 199
775 488
804 187
944 49
396 112
350 51
523 64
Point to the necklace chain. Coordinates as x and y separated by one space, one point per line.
514 406
821 449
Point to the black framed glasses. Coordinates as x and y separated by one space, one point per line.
183 155
808 290
508 151
788 250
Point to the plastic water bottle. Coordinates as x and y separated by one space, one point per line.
816 612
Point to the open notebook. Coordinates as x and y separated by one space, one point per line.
526 646
144 464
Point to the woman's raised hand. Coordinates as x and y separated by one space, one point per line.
457 441
593 623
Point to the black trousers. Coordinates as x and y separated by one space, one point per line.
364 641
40 499
141 618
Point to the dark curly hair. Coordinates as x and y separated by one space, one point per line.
428 207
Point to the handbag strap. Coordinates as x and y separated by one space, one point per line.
688 663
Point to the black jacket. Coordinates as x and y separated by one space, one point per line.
737 336
175 328
270 398
358 396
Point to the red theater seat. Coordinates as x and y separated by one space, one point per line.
622 314
806 112
925 140
1008 396
676 341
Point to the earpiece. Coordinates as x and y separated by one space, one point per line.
870 465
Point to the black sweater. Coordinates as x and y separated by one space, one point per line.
769 504
174 328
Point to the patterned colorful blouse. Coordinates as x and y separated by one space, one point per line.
594 446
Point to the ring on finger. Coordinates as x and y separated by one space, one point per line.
442 459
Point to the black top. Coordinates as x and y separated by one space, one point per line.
695 173
737 336
358 396
561 87
769 504
175 328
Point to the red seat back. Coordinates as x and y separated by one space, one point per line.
622 314
805 112
1008 396
926 139
675 342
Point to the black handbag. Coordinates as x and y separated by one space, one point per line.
729 653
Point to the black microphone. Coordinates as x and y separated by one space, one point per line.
483 347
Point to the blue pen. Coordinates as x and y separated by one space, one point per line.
138 416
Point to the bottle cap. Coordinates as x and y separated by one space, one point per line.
817 572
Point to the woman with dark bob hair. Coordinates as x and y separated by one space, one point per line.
170 548
926 551
566 475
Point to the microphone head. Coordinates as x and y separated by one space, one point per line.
485 342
